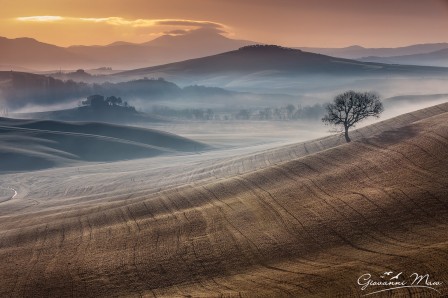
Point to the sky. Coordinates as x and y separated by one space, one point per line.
315 23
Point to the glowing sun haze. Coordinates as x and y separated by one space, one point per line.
323 23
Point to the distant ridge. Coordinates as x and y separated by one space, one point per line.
30 53
358 52
436 58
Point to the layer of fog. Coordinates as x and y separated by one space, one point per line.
238 134
35 108
277 93
325 88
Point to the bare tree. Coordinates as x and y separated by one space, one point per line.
350 108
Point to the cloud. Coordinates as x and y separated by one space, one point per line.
104 30
197 30
192 26
119 21
40 19
190 23
116 21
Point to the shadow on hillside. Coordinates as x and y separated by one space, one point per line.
395 136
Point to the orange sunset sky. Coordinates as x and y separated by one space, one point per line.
322 23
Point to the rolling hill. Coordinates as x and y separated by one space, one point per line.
27 145
117 115
278 223
272 62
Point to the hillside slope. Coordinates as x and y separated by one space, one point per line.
31 144
307 226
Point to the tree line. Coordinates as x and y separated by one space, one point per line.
287 112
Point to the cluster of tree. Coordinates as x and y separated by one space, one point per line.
265 46
79 75
100 102
191 114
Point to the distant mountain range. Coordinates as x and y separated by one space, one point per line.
358 52
437 58
29 53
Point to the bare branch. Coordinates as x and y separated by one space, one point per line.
351 107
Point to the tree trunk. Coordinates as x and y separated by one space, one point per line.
347 138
